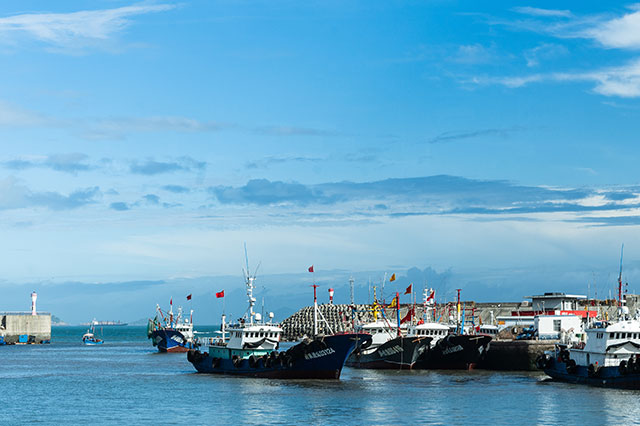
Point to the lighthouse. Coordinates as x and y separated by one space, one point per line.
34 296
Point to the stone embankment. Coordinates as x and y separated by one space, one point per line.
341 318
22 327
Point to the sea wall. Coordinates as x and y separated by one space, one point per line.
37 328
341 317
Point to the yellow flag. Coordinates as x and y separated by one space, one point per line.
394 303
393 278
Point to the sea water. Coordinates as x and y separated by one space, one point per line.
125 381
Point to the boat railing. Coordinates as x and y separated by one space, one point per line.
210 341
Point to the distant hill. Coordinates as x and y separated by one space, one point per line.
57 321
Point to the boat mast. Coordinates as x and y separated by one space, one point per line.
620 280
250 283
458 306
315 310
351 281
398 310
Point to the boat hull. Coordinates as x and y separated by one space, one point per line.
167 340
323 358
455 352
397 353
609 377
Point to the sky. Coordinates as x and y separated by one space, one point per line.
487 146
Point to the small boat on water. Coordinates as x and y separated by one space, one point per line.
89 337
252 349
171 333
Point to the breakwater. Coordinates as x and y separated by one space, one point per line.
25 328
341 317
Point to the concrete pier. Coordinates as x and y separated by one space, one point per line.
515 354
24 327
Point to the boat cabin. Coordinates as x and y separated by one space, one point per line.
608 345
247 340
381 331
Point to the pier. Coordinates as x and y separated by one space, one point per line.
22 328
25 328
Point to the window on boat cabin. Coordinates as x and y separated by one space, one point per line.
556 325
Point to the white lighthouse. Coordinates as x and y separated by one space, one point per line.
34 296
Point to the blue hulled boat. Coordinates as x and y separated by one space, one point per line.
89 337
609 358
171 333
251 350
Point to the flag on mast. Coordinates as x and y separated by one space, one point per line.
407 317
393 278
394 302
171 301
408 290
220 294
189 297
311 268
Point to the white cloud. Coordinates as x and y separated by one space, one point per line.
75 29
544 51
622 81
534 11
619 33
472 54
11 115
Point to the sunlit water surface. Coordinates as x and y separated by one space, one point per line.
125 381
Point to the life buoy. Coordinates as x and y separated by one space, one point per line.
290 362
253 361
542 361
237 361
631 365
622 367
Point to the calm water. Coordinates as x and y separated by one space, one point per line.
125 381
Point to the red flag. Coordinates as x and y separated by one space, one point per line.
220 294
432 295
311 268
189 297
408 290
407 317
171 301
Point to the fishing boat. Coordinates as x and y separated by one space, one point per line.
169 332
389 349
89 337
610 356
451 347
251 349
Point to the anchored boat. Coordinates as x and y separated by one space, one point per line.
448 350
610 357
251 349
89 337
171 333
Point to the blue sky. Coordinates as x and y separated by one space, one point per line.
147 141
